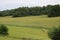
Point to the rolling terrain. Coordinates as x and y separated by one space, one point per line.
29 28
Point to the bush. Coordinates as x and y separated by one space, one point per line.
3 30
54 34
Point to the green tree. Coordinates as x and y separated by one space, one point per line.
54 11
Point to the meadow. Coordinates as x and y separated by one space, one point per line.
29 28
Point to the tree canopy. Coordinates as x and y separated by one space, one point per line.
50 10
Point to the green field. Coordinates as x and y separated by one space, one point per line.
31 27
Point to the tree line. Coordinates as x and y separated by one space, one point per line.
50 10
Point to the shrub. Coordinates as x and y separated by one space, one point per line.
54 34
3 30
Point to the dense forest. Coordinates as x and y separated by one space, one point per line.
50 10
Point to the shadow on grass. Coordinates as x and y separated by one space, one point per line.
22 38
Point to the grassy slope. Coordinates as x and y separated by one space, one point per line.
28 27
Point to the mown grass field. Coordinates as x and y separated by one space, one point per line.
32 27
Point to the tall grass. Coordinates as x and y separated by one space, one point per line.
34 27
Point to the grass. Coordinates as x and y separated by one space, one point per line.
28 27
16 33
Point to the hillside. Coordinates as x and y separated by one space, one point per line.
31 27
